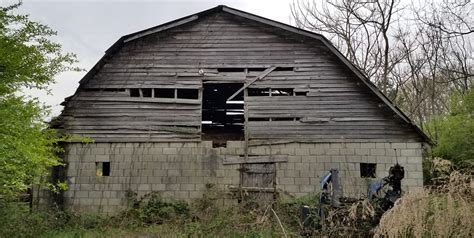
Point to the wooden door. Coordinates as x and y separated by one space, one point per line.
258 181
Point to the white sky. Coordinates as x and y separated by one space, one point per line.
88 27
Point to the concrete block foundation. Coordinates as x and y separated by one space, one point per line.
182 170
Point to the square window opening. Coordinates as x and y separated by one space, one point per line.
164 92
102 169
367 170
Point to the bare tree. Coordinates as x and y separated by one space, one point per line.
360 29
418 54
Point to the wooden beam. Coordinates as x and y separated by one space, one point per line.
261 76
255 159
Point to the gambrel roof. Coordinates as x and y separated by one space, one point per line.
259 20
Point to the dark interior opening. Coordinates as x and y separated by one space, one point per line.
258 92
284 69
231 70
146 92
256 69
164 92
134 92
300 93
102 168
188 93
285 119
367 170
259 119
222 120
282 92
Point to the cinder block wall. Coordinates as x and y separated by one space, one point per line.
182 170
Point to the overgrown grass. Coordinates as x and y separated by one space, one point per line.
446 210
151 215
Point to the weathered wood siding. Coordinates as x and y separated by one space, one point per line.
330 105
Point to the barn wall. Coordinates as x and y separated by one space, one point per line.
182 170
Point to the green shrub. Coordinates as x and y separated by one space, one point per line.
157 211
16 220
455 133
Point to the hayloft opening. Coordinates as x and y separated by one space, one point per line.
222 120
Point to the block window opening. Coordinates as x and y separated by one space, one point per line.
188 93
164 92
102 169
367 170
134 92
222 120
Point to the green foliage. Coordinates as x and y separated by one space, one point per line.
16 221
156 211
29 59
26 150
455 138
151 209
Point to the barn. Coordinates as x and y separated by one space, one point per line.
227 99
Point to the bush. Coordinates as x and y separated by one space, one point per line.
17 221
455 132
150 209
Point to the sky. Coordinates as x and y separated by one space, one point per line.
88 27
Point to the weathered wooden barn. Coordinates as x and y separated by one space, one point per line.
232 99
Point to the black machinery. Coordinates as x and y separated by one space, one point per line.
385 192
394 180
